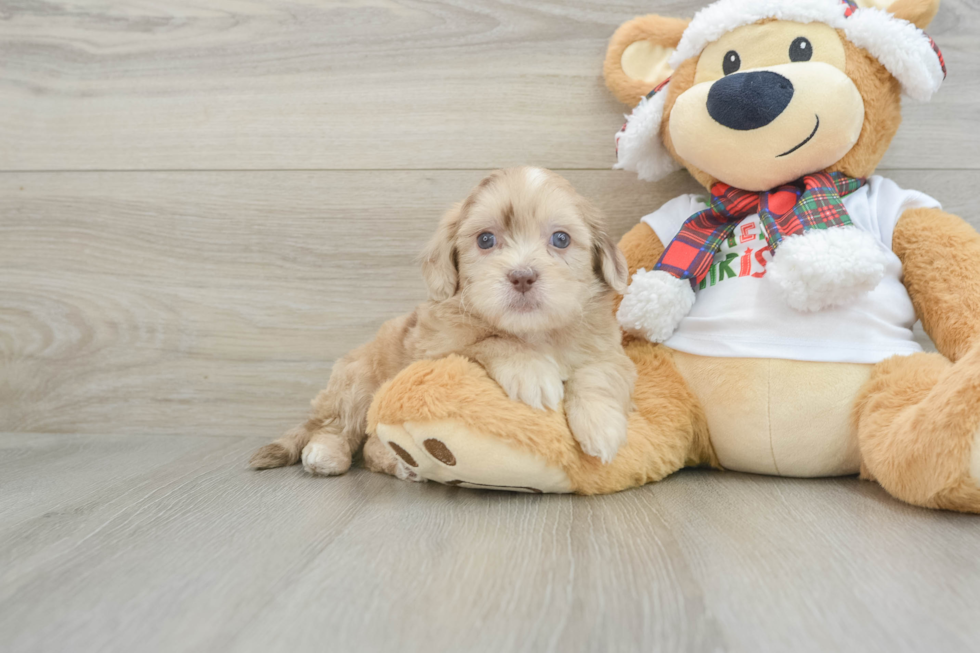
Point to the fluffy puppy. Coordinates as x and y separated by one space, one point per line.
521 277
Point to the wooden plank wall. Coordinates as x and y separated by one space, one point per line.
203 204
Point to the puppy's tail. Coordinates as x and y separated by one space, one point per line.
286 450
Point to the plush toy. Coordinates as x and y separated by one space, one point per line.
783 297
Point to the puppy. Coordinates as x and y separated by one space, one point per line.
521 277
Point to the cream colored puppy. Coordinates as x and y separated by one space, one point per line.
522 276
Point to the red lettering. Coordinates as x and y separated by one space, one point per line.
762 261
746 268
747 232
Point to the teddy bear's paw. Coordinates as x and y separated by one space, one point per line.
598 427
961 494
975 459
327 457
451 453
654 304
536 381
827 267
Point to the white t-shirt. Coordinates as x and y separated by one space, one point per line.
738 314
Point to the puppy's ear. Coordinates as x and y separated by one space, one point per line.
440 266
636 59
607 261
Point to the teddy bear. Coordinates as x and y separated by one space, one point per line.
770 317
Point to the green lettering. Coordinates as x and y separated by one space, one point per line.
724 267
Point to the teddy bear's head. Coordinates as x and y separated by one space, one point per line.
758 93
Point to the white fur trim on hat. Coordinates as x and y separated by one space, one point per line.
902 48
826 267
654 304
639 147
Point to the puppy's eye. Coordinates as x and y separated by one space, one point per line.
486 240
731 63
561 240
800 50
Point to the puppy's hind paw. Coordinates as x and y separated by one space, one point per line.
379 458
326 458
405 473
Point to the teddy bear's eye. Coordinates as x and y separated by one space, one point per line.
731 63
800 50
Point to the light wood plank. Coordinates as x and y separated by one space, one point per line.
250 84
161 302
171 544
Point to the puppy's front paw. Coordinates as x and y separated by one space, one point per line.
327 457
599 428
535 381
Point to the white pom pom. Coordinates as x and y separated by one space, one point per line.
654 304
826 267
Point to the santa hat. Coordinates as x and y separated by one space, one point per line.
902 48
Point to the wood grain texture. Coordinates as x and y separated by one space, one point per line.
159 302
380 84
168 543
162 302
203 204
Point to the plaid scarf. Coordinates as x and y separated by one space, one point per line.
813 202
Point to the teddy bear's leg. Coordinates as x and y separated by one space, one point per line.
451 423
918 421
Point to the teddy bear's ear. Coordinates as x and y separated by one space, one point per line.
918 12
636 59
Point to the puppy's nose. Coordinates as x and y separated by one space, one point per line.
522 280
745 101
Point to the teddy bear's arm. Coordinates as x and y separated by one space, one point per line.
940 256
642 249
641 246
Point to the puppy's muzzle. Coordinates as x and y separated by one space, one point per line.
522 280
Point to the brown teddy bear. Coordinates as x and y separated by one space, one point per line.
769 319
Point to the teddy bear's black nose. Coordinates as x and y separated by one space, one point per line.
746 101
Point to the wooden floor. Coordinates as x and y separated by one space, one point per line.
203 203
168 543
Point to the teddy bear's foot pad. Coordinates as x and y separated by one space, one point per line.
452 454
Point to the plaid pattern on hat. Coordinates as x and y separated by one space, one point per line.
813 202
939 54
659 87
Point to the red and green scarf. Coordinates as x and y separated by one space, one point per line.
813 202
